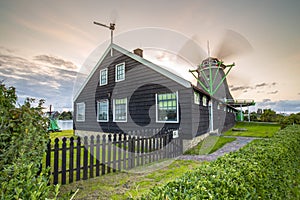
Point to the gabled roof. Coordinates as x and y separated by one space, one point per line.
143 61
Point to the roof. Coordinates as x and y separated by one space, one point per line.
180 80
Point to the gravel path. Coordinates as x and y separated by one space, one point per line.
229 147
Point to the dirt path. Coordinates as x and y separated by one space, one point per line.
229 147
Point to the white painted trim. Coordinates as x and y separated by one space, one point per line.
105 69
107 110
116 66
177 110
114 111
149 64
79 104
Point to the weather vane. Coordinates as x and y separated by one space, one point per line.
111 28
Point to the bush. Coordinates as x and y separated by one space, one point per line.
23 142
264 169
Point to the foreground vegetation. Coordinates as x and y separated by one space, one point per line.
264 169
254 129
23 141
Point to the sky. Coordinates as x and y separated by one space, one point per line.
44 44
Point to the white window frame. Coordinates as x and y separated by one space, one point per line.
77 108
114 110
116 72
196 98
107 110
177 109
106 77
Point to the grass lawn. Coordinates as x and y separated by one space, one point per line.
63 133
122 185
209 145
254 129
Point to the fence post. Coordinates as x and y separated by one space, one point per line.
165 145
114 143
133 152
138 150
142 150
64 161
56 156
48 157
71 160
129 151
109 153
125 151
92 156
119 151
85 158
97 155
103 154
78 159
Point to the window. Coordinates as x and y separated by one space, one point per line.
80 114
224 108
196 98
219 106
120 72
102 111
103 77
204 101
167 107
120 110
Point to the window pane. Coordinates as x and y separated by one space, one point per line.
120 109
103 77
204 101
80 116
120 72
103 111
167 109
196 98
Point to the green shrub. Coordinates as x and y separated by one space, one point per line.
264 169
23 141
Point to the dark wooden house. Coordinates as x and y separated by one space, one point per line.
125 92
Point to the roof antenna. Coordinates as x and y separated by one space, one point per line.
112 28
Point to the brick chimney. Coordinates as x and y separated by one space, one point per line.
138 52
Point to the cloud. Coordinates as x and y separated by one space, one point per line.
56 61
240 88
261 85
40 78
266 100
274 92
288 106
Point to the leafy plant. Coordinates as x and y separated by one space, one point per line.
264 169
23 142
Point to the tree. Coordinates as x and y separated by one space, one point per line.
66 115
268 116
23 141
290 120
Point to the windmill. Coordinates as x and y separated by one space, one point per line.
211 73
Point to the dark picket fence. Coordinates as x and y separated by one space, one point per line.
73 159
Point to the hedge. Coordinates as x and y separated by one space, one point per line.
264 169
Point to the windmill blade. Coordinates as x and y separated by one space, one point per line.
114 16
192 52
233 44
